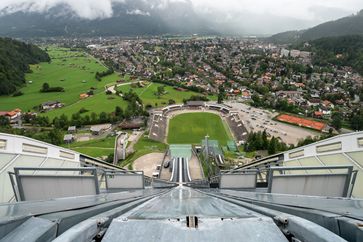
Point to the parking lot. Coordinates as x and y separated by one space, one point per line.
256 120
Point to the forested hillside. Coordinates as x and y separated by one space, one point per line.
15 57
350 25
343 51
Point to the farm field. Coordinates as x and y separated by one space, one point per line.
94 148
191 128
72 70
147 94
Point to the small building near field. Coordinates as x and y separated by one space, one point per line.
83 96
51 105
136 123
68 138
72 129
100 128
13 116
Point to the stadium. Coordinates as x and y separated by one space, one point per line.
161 119
312 193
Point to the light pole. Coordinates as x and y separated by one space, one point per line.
207 153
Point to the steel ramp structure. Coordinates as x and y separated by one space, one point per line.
67 196
165 215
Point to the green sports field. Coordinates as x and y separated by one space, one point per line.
191 128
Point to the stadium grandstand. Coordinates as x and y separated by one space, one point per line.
159 119
311 194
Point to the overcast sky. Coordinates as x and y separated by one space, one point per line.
300 13
303 9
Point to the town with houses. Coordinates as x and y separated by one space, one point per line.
246 69
251 71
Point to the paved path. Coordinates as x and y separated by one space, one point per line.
130 148
145 89
112 87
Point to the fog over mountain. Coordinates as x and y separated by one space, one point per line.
118 17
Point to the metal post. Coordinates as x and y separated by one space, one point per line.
207 154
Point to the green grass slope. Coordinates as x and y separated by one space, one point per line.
72 70
147 94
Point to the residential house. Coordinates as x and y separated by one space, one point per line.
72 129
14 116
100 129
51 105
68 138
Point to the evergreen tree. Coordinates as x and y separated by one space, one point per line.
337 120
272 148
264 139
103 117
4 121
45 87
55 137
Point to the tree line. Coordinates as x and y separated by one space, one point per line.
261 141
99 75
47 88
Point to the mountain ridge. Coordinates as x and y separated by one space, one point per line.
350 25
131 18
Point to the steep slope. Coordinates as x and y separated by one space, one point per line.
342 51
286 37
15 58
351 25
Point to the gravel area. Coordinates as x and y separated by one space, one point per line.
148 163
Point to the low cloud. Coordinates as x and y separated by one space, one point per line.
243 16
88 9
138 12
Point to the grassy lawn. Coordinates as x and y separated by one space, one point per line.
75 72
143 147
147 94
72 70
94 148
191 128
97 104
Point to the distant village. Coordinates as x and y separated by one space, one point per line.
246 70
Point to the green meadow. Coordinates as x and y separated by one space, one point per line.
149 97
94 148
75 72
